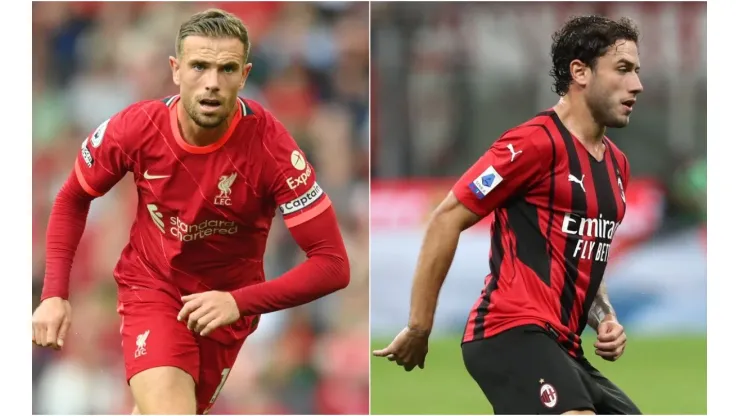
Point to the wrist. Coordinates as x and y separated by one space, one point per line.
597 315
419 332
609 317
420 326
52 295
240 298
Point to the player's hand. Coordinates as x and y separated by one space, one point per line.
409 349
209 310
611 340
50 322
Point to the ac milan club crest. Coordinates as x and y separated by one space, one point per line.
548 395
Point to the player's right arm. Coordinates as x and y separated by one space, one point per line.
493 180
100 164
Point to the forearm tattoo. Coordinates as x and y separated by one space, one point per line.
600 308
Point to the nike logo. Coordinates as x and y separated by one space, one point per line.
148 176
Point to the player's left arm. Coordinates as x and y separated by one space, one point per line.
308 213
326 270
311 220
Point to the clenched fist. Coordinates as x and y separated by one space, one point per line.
51 321
207 311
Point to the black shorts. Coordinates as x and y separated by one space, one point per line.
525 371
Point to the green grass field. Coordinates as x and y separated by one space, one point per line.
666 375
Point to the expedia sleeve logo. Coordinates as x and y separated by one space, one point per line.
86 155
303 201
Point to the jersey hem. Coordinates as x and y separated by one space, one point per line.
507 326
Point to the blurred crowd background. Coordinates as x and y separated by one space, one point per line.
447 80
91 60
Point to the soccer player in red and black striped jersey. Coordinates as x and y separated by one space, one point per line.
211 170
556 186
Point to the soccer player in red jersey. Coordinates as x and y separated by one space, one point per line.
211 170
555 185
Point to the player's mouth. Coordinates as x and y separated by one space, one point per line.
628 104
209 105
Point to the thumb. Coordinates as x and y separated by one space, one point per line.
606 331
604 327
382 353
63 331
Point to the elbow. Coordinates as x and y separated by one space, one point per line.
445 222
337 273
342 273
333 272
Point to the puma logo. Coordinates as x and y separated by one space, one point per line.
572 178
513 153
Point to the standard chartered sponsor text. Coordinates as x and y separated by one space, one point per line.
187 232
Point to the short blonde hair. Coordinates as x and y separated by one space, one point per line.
214 23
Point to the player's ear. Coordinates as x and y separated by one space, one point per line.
175 66
245 74
580 72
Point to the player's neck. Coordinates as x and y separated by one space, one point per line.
196 135
577 118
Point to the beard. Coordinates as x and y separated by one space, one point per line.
206 121
604 110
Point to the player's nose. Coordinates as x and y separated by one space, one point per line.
211 81
635 86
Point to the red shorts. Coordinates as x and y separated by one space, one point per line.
152 337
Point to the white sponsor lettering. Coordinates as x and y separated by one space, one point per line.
87 157
302 201
590 229
302 179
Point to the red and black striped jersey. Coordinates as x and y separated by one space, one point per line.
555 211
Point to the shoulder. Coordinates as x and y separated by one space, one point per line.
255 112
147 108
532 134
270 130
133 119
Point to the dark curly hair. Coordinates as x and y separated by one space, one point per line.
585 38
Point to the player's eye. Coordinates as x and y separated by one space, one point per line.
198 67
623 69
229 69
